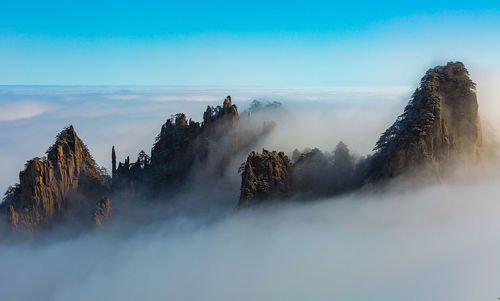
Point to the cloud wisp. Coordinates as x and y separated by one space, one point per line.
22 110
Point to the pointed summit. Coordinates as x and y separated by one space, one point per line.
45 190
439 126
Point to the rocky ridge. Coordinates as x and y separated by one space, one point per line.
439 127
179 145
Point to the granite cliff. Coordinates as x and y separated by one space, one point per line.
67 180
440 126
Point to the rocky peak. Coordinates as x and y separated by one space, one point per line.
67 142
49 187
439 126
179 144
265 176
228 111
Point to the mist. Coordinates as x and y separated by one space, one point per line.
441 242
431 242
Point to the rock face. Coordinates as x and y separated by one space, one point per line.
180 144
102 212
439 126
265 176
50 187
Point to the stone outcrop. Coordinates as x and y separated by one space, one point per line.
440 126
102 211
265 176
313 174
180 144
51 186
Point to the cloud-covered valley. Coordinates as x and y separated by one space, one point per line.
438 242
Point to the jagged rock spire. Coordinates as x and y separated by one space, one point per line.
46 187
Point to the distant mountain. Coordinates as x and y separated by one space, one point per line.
439 127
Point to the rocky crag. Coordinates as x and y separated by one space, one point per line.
185 149
68 179
180 144
440 126
266 175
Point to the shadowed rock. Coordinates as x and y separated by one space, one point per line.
180 144
266 175
102 211
440 126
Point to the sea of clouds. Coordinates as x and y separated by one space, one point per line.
439 242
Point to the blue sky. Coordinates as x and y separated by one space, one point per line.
297 43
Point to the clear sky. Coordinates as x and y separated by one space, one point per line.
306 43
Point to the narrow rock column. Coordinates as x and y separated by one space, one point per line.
113 161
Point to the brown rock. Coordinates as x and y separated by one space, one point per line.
179 145
265 176
50 187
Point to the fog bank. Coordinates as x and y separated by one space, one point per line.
441 242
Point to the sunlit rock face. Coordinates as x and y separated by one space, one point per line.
266 176
440 126
49 187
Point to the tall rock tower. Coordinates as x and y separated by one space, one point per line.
440 126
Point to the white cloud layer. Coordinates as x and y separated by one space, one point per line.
18 110
438 243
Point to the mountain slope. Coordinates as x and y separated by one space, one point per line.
48 188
